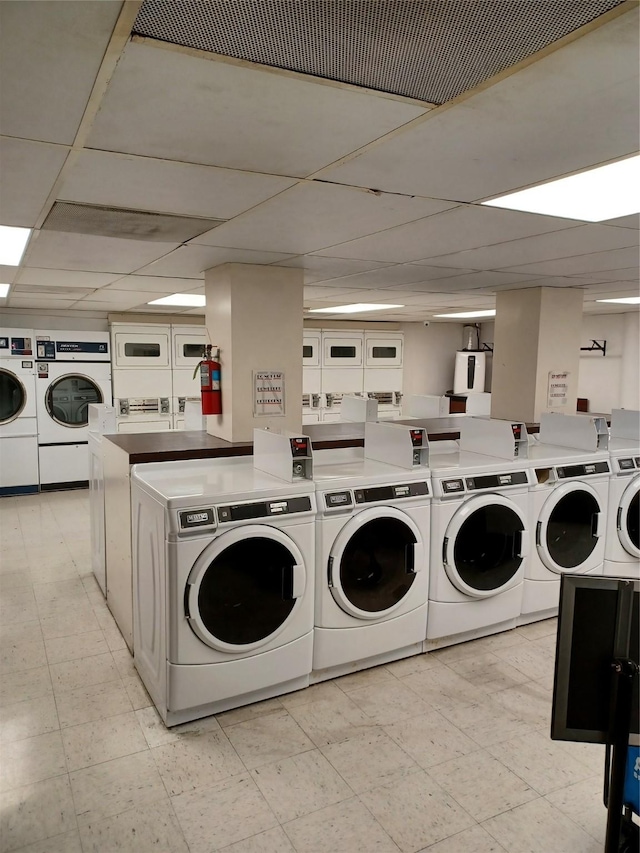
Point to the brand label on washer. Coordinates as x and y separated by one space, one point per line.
196 518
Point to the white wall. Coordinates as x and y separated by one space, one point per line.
82 321
429 356
611 381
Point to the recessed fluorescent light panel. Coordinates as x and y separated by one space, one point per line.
606 192
12 243
356 308
624 300
4 290
186 300
461 314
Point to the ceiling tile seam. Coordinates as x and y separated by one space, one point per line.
300 76
481 87
514 267
378 192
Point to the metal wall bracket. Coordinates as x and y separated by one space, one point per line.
596 346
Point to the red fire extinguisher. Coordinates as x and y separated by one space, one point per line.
210 392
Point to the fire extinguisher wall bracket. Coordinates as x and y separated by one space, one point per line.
210 390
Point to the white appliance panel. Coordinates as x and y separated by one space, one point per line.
342 349
142 383
383 351
141 347
188 344
18 464
311 349
63 463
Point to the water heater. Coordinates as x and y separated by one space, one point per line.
468 377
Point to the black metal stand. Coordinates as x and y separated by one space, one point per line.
625 671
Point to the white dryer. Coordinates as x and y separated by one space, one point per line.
480 541
18 421
383 360
223 567
569 499
187 351
142 380
372 563
73 371
622 548
311 373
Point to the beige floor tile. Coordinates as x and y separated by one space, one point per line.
69 623
530 702
150 829
157 734
21 654
431 739
541 762
503 640
31 760
249 712
369 760
114 639
124 661
482 785
36 812
70 591
472 840
487 723
364 678
14 581
212 818
314 693
197 761
77 646
300 785
387 702
102 740
488 672
413 664
538 827
112 787
267 739
346 827
24 685
18 606
416 812
21 632
536 630
136 692
69 842
28 719
441 687
534 662
332 718
82 672
270 841
582 803
96 702
590 754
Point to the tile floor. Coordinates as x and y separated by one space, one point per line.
447 752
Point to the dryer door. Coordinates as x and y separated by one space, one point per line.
373 562
569 528
244 587
484 546
13 396
628 519
68 397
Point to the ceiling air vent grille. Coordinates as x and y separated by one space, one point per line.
432 50
125 224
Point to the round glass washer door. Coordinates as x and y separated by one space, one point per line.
484 546
244 587
373 562
628 522
13 396
569 528
67 399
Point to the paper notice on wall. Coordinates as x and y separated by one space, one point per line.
268 393
558 392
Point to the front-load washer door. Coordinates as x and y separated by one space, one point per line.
484 546
68 397
628 520
569 529
373 562
244 587
13 396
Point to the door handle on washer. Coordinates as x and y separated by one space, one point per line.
298 581
523 550
596 524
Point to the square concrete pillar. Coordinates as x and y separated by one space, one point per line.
254 315
537 332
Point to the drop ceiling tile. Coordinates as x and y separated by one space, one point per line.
313 215
557 244
57 250
574 108
389 276
320 292
317 268
143 183
28 291
119 298
8 274
50 54
465 227
65 278
609 290
191 261
28 171
39 302
630 274
153 284
236 116
472 280
631 221
584 265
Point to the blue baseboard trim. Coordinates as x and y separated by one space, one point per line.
7 491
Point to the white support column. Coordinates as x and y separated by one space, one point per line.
254 314
537 331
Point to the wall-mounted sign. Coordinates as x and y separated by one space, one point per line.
558 389
268 393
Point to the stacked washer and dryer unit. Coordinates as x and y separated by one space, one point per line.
622 549
18 414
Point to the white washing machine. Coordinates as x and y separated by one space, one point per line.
372 562
102 421
18 421
187 351
223 583
72 372
622 547
480 541
569 500
142 378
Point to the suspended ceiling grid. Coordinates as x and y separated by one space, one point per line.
375 196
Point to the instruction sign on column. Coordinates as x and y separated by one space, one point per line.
558 393
268 393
